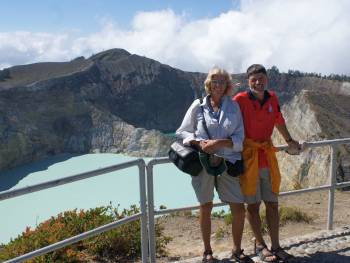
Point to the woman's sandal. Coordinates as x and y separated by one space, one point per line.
241 257
281 254
208 256
264 256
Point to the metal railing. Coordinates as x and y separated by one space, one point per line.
148 213
330 187
140 163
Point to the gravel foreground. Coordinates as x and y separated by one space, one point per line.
321 247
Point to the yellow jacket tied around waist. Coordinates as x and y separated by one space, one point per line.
249 178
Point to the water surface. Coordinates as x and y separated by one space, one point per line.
171 188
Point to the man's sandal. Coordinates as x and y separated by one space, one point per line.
264 253
281 254
208 256
241 257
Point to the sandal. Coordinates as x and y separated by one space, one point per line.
264 253
281 254
208 256
241 257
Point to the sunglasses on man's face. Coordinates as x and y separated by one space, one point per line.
218 81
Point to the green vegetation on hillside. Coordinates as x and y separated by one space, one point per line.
273 71
120 244
287 215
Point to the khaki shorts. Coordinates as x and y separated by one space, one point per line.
228 188
263 189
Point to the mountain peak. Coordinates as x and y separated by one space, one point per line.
110 55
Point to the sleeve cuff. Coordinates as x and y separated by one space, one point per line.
279 119
187 140
237 145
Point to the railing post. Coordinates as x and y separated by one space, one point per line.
332 179
144 236
151 230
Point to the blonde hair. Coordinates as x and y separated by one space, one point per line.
221 72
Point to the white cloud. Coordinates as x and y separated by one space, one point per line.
27 47
311 36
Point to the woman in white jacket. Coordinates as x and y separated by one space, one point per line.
224 145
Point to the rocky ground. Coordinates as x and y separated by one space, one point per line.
319 247
307 241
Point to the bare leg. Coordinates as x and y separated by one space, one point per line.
272 219
255 222
205 224
238 214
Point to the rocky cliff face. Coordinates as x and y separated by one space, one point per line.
142 91
314 116
112 102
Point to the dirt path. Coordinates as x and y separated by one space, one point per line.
186 234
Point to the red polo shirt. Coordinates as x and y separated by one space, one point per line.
259 118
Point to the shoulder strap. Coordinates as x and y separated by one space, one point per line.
204 122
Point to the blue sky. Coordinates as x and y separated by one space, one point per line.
308 35
86 15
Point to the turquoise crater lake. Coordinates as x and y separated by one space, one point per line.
171 188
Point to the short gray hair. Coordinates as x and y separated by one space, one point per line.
221 72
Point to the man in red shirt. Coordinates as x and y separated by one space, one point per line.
261 180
